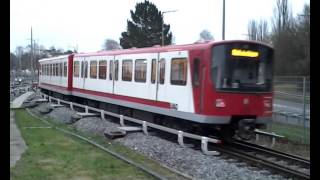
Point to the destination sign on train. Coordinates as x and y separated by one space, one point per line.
244 53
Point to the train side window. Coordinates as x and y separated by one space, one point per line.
196 69
153 70
102 69
93 69
57 69
53 69
111 70
65 69
162 70
126 70
116 70
85 69
61 69
76 69
140 70
178 71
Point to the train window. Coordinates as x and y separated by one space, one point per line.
126 70
116 70
85 69
111 70
61 69
102 69
93 69
178 71
76 69
57 69
153 70
53 69
162 63
82 68
196 75
140 70
65 69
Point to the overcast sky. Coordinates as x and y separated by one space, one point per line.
87 23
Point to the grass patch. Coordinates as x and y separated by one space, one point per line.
292 132
54 155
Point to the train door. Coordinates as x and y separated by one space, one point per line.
174 80
198 80
113 72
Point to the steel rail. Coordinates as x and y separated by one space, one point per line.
117 155
234 151
272 152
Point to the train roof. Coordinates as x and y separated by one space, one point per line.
157 48
54 58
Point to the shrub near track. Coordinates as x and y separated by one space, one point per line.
53 155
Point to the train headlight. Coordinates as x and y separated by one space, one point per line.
220 103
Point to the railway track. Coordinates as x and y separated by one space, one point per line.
288 164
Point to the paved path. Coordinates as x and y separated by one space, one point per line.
16 103
17 144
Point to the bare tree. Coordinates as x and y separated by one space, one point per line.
19 53
110 44
206 35
282 16
252 30
262 31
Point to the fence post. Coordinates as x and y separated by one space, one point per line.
304 108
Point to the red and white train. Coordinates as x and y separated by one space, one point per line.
217 85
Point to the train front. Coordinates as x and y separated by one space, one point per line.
241 86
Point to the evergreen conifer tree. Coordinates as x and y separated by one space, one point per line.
145 28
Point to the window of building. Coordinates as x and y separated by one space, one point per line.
162 70
76 69
179 71
126 70
153 70
102 69
111 70
93 69
196 70
140 70
65 69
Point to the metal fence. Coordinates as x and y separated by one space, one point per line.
292 105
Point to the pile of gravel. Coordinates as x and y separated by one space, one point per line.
94 125
190 161
62 114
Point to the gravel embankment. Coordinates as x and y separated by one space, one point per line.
187 160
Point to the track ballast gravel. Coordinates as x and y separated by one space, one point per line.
189 161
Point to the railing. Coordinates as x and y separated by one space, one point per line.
180 134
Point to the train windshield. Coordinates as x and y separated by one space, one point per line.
242 67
